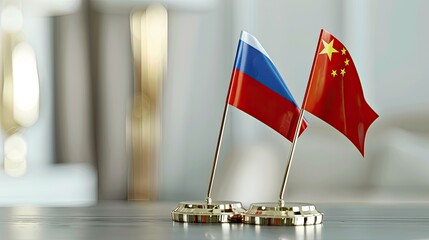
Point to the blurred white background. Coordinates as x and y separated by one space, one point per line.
86 75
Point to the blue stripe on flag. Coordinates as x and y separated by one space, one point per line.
255 64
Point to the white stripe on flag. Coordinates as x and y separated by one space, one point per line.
252 41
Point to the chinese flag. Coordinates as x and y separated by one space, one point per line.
334 92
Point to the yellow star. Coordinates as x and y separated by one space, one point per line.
347 62
334 73
343 72
343 51
328 49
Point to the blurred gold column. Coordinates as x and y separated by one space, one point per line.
19 84
149 44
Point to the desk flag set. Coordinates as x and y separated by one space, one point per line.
334 94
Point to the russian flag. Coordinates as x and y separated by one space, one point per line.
258 89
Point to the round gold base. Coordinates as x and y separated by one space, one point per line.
290 214
215 212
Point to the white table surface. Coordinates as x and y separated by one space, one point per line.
152 221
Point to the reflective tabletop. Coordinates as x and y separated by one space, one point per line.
153 221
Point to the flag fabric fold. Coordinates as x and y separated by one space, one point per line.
258 89
334 92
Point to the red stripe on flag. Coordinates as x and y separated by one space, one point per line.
269 107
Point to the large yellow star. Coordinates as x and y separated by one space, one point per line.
328 49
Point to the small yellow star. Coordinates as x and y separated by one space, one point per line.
328 49
334 73
343 51
343 72
347 62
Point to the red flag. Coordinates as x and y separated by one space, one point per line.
334 92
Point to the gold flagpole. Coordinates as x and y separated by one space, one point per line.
297 130
292 151
219 139
211 211
216 157
281 212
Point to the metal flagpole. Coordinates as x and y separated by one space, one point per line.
216 157
281 212
208 211
217 211
297 130
211 211
292 151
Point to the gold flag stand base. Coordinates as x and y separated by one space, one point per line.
214 212
286 214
